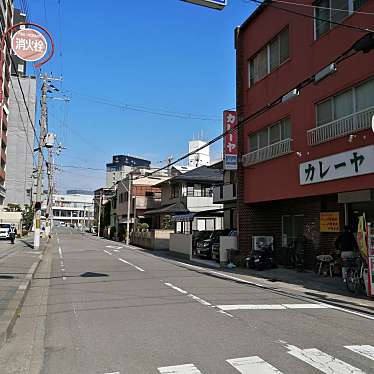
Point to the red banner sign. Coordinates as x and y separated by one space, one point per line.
230 142
29 44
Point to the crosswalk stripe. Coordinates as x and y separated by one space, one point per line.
363 350
253 365
180 369
271 306
323 361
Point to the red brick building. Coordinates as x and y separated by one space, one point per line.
313 153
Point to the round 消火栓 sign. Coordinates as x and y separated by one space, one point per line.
29 44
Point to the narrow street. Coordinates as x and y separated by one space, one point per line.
136 313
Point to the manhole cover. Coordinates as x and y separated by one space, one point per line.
90 274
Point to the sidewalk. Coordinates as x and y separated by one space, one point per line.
18 263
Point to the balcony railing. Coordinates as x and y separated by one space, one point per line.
267 153
344 126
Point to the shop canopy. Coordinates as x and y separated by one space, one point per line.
190 216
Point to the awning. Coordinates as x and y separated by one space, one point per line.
183 217
176 208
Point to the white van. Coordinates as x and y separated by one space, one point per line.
4 230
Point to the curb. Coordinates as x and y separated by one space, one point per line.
9 318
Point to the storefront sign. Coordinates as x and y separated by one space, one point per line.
29 44
358 161
215 4
329 222
230 141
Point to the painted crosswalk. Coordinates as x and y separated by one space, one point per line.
311 357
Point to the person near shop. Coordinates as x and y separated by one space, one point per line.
346 244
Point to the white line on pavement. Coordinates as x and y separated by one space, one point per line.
108 252
196 298
271 306
363 350
180 369
259 285
323 361
60 251
176 288
129 263
254 364
114 372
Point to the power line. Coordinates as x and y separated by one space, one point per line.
144 109
270 4
342 57
322 7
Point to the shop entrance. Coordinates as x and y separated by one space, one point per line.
292 227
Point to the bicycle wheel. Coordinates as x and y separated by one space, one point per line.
351 280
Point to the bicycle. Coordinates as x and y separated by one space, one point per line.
355 276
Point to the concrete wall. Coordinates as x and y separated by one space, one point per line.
154 240
181 245
226 242
20 143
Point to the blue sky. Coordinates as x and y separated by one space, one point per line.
166 55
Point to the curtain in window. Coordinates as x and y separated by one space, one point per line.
339 15
322 13
274 54
324 112
343 105
365 95
263 138
275 133
286 129
283 46
253 144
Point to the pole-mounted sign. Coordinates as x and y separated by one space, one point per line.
215 4
29 44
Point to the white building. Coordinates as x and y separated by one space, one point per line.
201 157
77 210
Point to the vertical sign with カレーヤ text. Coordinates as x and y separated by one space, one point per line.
230 140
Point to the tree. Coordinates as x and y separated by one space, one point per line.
28 216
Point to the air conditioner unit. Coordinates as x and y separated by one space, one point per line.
259 242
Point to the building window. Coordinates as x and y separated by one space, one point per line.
270 135
346 103
330 12
269 57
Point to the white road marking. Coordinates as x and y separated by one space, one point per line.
271 306
253 365
108 252
129 263
259 285
64 278
115 250
113 247
363 350
196 298
60 251
323 361
114 372
176 288
180 369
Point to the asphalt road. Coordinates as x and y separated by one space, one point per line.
146 314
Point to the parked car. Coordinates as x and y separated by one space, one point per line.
198 236
216 245
4 230
204 247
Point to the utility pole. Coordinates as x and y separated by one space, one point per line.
128 210
38 199
99 219
49 215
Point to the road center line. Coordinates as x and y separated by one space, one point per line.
129 263
110 254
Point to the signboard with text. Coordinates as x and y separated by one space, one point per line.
329 222
29 44
355 162
215 4
230 140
